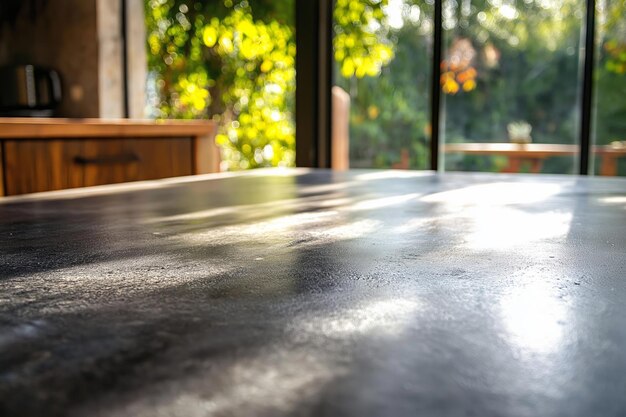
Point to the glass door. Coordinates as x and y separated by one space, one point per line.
381 97
609 127
510 83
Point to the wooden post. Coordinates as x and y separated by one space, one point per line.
206 154
340 132
1 170
136 58
110 73
608 165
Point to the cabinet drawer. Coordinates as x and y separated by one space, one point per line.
44 165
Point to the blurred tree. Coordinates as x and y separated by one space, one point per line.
360 44
234 61
390 111
503 61
509 60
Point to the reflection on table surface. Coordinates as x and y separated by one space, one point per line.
315 292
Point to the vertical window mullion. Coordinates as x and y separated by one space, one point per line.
435 94
587 93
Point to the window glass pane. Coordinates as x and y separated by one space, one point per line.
232 61
610 89
510 85
382 54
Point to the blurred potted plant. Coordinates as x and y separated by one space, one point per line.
519 132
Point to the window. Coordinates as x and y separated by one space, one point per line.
510 85
510 91
609 128
383 54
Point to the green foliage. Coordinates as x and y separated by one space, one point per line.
233 64
360 44
526 63
532 75
614 48
234 61
610 78
390 112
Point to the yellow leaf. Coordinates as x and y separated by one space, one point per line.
209 36
469 85
450 87
266 66
226 44
347 69
372 112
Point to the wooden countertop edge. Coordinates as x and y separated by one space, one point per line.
535 149
41 128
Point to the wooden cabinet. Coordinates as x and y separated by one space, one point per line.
54 163
39 165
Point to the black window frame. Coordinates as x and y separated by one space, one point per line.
314 80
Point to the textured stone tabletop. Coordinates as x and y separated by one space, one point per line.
271 293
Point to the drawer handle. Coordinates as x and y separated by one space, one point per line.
105 160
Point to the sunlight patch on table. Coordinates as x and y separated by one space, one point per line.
533 317
503 228
390 174
499 193
386 317
383 202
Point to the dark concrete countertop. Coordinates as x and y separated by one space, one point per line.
272 293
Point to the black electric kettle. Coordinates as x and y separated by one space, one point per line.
29 91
